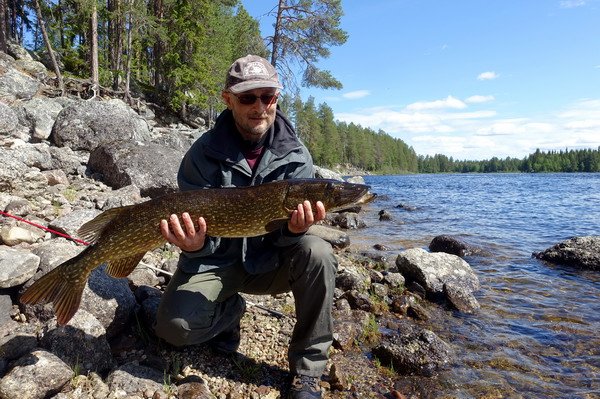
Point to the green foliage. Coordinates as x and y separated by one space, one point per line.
584 160
333 143
370 334
304 30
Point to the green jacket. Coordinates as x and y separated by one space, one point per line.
216 160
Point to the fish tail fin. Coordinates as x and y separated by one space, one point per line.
62 286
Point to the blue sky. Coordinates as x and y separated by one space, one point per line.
471 79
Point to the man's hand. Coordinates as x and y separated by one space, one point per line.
187 237
303 217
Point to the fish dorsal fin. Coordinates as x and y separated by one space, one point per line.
275 224
124 266
91 231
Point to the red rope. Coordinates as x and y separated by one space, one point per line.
39 226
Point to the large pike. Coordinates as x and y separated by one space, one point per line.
120 237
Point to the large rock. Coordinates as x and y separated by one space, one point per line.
412 350
580 252
336 237
40 114
16 266
87 124
16 85
35 376
11 171
32 155
441 274
123 163
8 119
110 300
449 245
17 339
133 379
71 222
433 270
81 342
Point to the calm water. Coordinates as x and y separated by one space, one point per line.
538 332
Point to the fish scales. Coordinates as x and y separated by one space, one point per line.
121 236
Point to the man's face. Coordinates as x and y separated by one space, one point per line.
253 119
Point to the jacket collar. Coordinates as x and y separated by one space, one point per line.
225 140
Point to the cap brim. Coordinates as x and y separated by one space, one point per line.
251 85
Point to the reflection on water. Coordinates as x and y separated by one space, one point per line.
537 334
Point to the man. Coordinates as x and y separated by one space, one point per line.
252 143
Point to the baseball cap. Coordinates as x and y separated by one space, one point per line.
251 72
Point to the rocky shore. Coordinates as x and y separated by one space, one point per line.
65 160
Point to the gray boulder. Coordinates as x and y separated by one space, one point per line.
323 173
133 379
433 270
71 222
87 124
54 252
16 266
346 220
441 274
11 171
82 343
66 159
123 163
17 339
580 252
41 114
32 67
110 300
8 119
412 350
33 155
335 237
16 85
35 376
449 245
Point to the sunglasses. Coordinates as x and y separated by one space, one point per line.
249 99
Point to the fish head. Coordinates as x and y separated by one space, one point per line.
335 195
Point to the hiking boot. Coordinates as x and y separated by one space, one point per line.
228 341
305 387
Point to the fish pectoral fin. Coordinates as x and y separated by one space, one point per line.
275 224
124 266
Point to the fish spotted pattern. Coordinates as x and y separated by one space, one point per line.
120 237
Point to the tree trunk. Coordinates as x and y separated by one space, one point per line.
276 33
61 25
115 41
3 26
94 49
158 46
42 26
129 24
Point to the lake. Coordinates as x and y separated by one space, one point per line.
537 334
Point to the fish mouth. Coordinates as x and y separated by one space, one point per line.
366 198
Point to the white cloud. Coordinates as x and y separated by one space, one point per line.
433 127
572 3
448 102
489 75
354 95
478 99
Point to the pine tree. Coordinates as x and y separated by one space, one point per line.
303 32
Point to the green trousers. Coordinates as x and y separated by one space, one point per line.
197 307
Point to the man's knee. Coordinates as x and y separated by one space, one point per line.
314 253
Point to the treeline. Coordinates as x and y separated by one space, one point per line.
333 143
583 160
